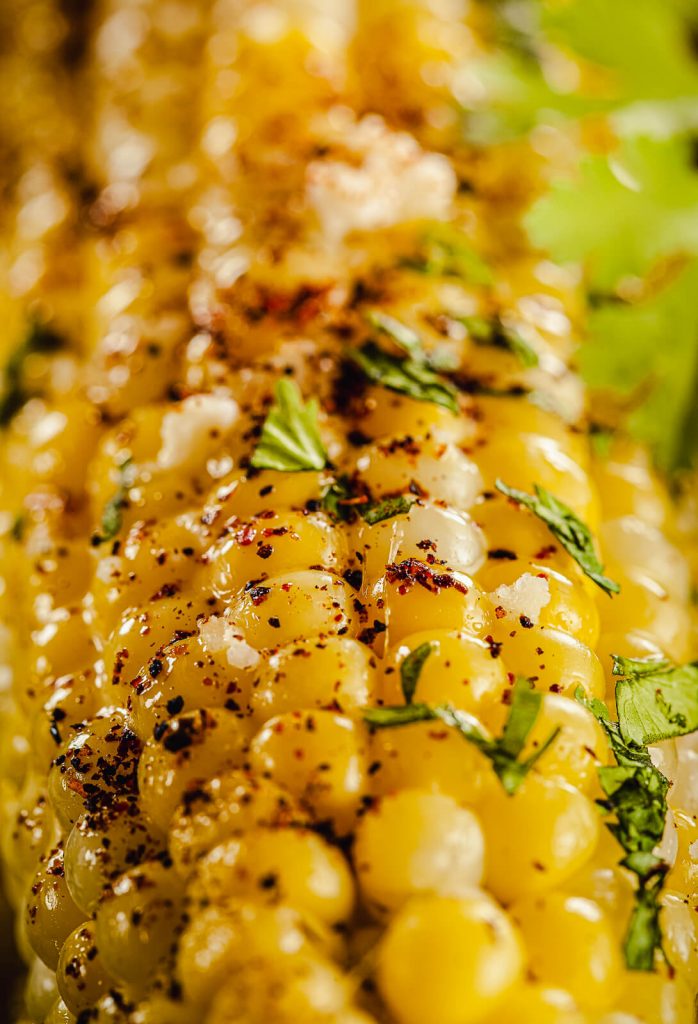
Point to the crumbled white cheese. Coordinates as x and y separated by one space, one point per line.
188 430
220 634
395 182
526 596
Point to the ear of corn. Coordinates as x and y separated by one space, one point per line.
295 486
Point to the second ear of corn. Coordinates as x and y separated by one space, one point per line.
197 821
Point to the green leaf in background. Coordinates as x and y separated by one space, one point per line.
647 353
623 213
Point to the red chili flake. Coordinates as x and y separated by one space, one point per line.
525 622
259 594
499 612
546 552
265 551
246 535
413 571
166 590
274 622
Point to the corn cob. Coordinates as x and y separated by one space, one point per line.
299 722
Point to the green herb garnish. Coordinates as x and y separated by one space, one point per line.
484 331
401 334
503 752
655 700
290 441
407 376
411 670
112 515
574 535
343 503
445 251
13 391
635 797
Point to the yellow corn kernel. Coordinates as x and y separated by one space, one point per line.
292 866
536 839
415 843
186 751
460 670
81 975
319 757
538 1004
137 920
49 912
570 942
320 672
448 961
227 805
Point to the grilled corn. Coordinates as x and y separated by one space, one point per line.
301 677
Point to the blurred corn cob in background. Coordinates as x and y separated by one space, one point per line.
315 560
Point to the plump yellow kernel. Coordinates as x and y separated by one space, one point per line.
187 750
416 598
50 914
570 606
271 545
538 1004
291 866
553 660
648 609
40 990
448 961
430 756
80 973
244 497
679 924
227 805
579 749
137 921
441 471
300 988
570 942
656 999
460 670
317 672
219 940
186 674
96 767
537 838
415 843
154 560
319 757
294 606
102 845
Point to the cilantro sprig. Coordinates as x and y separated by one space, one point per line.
504 752
655 700
492 332
574 535
290 441
13 388
635 799
445 251
112 514
407 376
342 502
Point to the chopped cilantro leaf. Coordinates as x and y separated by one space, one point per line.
406 376
290 441
574 535
655 701
13 392
401 334
635 798
495 333
112 515
503 753
445 251
411 669
343 503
